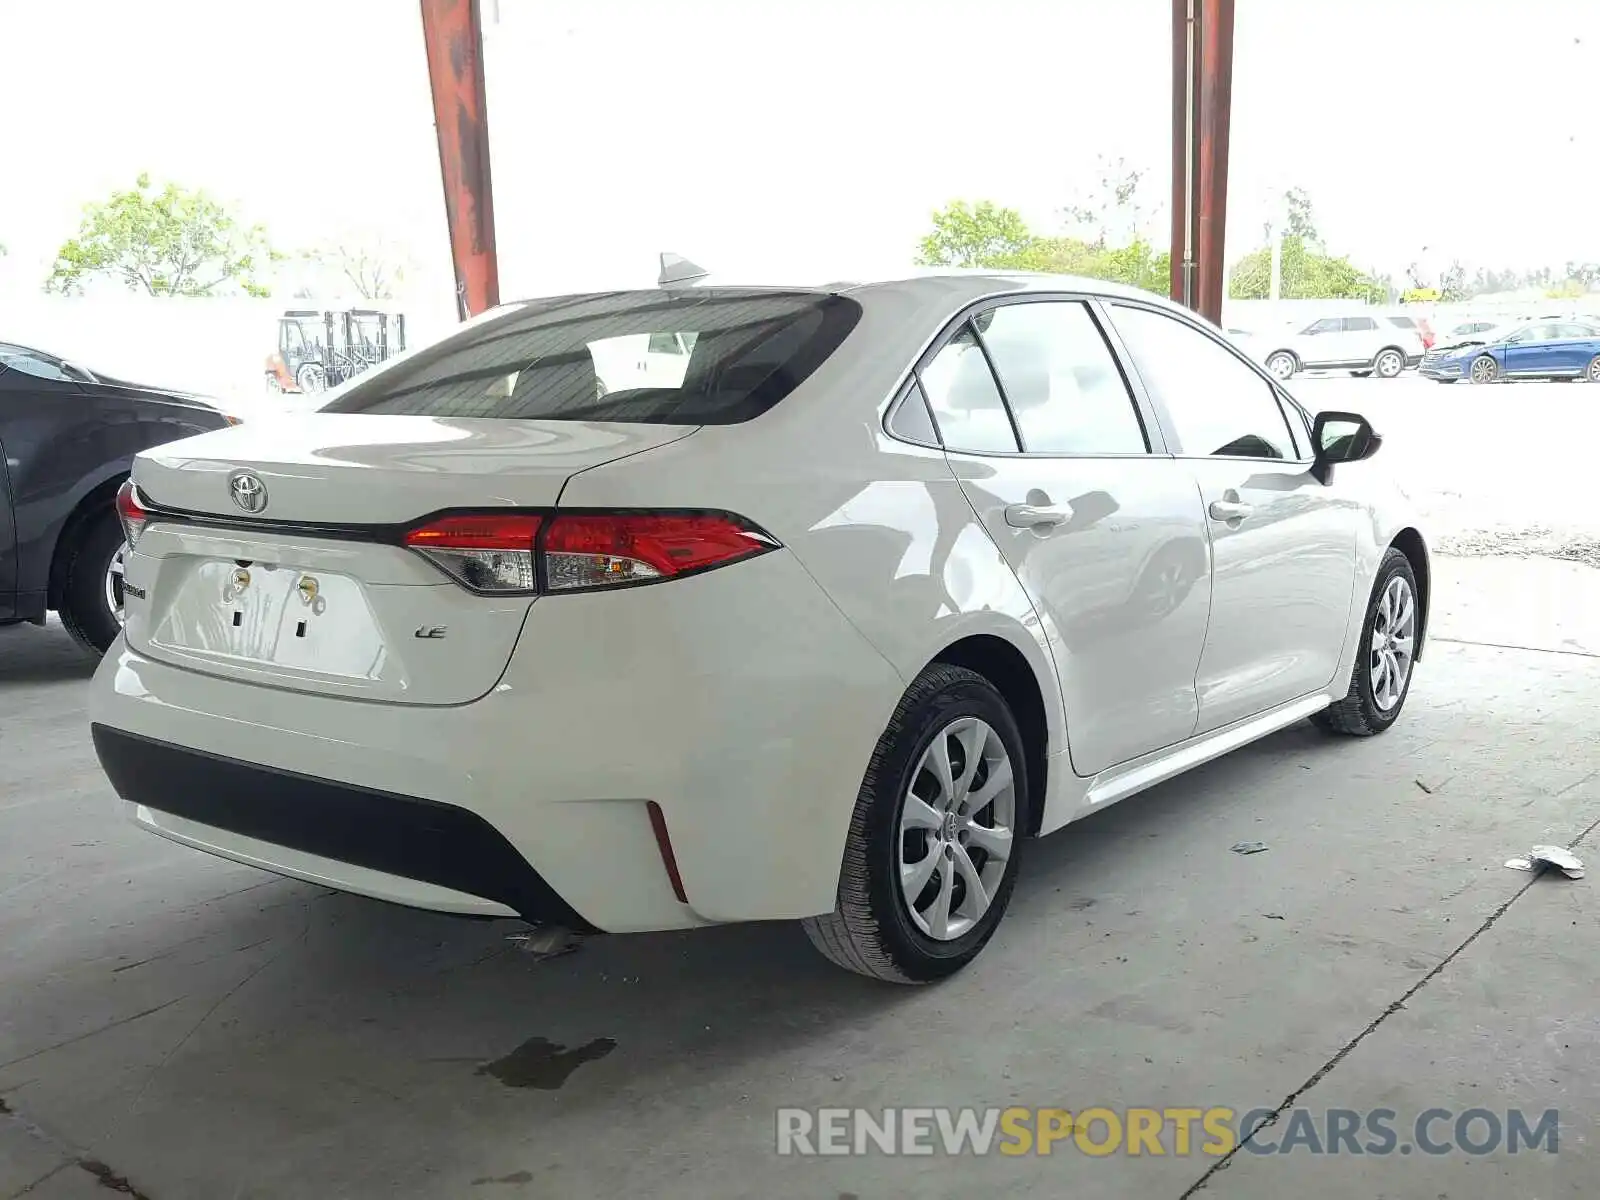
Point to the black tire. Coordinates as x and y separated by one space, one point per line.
870 930
1484 369
1388 363
1358 714
311 378
1288 364
85 612
1447 381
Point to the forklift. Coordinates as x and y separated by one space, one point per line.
322 348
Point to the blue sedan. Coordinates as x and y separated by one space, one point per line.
1538 350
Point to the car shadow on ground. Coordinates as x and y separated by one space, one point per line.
194 972
29 654
259 969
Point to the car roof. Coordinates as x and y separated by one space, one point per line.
962 284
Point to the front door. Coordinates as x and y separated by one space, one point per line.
1104 530
1533 351
1283 546
1322 343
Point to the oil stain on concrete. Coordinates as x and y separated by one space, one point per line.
541 1063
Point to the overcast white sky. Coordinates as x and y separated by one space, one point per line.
763 135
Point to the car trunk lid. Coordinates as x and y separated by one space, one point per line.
303 584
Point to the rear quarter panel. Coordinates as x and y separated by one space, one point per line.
63 447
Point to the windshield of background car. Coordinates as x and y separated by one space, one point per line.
602 357
28 362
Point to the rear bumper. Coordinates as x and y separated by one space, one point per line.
741 702
231 807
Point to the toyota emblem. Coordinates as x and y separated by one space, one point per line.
249 493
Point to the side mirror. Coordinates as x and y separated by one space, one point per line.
1338 437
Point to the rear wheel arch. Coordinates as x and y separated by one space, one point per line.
1014 677
1409 542
99 500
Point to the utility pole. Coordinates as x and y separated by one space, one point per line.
1275 232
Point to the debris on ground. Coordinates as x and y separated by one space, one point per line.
1248 847
1424 787
1559 857
544 942
1273 916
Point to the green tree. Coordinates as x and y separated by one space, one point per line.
172 242
1298 219
1453 283
1308 274
1110 213
984 234
976 235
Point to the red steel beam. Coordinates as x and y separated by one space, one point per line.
452 33
1202 100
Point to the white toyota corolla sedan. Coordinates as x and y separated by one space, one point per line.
877 582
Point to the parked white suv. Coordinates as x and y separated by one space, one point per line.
1382 344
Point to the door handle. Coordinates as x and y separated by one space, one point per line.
1230 510
1033 516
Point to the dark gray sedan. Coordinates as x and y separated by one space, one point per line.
67 440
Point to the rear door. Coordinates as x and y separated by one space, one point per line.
1531 350
1103 528
56 446
1283 546
1361 339
8 527
1569 352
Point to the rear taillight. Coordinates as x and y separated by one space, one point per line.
604 550
131 512
485 552
521 553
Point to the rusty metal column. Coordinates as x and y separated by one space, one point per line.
1202 47
452 32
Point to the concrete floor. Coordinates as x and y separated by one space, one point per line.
184 1027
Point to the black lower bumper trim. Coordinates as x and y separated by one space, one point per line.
399 835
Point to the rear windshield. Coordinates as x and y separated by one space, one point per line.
707 356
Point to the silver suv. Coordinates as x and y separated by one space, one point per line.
1382 344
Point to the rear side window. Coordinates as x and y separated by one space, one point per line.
604 357
1065 389
1359 324
965 399
1402 322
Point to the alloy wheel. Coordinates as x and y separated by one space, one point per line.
956 829
1389 364
113 585
1483 370
1394 632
